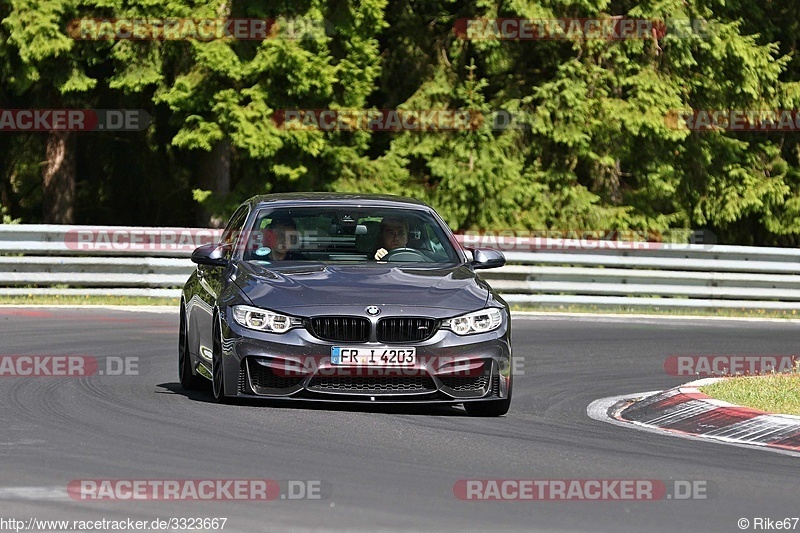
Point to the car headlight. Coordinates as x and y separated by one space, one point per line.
475 322
263 320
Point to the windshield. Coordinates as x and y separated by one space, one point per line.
341 234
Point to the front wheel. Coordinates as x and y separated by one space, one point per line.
189 380
217 368
488 408
491 407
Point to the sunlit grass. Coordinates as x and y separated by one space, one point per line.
774 393
652 310
34 299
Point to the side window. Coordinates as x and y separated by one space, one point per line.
437 247
234 228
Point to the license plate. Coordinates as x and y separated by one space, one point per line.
343 355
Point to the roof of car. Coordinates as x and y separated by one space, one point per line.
311 198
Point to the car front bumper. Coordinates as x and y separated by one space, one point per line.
296 365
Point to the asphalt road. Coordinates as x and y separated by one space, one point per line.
382 469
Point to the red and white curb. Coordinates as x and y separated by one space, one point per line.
685 411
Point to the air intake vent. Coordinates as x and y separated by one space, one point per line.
466 383
372 385
265 381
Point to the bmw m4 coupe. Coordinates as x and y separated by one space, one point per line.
345 298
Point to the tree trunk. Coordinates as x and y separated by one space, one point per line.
214 168
59 178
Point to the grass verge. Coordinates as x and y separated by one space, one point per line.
33 299
773 393
666 311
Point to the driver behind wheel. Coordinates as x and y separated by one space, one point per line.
392 234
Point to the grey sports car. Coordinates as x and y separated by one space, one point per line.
347 298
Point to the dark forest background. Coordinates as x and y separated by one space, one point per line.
598 153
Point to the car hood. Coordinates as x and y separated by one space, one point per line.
292 285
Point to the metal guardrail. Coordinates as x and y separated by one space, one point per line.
130 261
106 241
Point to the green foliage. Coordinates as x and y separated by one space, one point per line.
596 147
5 218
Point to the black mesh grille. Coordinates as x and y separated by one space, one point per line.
405 329
466 383
372 385
341 328
242 378
496 386
263 377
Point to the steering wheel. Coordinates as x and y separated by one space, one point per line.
406 254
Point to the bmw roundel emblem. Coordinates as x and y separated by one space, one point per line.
373 310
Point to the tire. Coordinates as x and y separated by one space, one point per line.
189 380
490 408
217 368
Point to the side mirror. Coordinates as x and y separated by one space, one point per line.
211 255
487 258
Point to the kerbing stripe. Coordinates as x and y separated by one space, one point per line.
674 416
761 429
713 419
791 443
686 410
654 404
